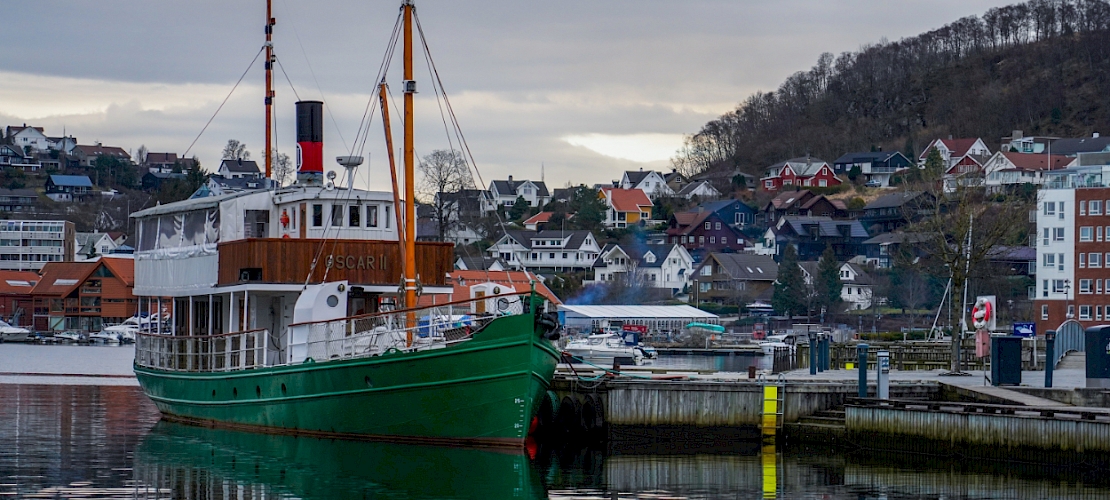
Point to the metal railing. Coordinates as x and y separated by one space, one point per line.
430 327
202 353
358 336
1070 336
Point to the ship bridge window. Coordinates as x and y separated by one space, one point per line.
354 216
371 216
337 215
317 215
386 215
256 224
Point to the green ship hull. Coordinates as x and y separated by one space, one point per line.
481 392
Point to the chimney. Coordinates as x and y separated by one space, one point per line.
950 137
510 178
310 142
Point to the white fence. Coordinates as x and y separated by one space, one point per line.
204 353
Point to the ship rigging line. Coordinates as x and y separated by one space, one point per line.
463 145
221 106
363 126
308 62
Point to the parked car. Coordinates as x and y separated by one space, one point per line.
873 183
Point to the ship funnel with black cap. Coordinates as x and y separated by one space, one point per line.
310 142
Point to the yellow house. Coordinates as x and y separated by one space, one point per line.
626 206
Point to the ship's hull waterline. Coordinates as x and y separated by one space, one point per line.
482 392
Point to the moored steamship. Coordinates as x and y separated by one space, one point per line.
293 310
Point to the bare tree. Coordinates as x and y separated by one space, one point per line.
140 155
235 150
444 173
282 168
961 229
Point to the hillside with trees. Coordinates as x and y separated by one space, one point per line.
1041 66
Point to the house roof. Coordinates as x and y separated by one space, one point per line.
787 199
896 238
525 237
15 129
510 186
811 268
480 262
167 175
17 282
958 147
694 186
634 177
1012 254
867 156
24 193
122 268
1072 147
718 205
539 218
461 281
893 200
1033 161
802 166
161 157
627 200
839 204
748 267
71 180
688 221
827 226
61 278
240 166
672 175
98 150
562 194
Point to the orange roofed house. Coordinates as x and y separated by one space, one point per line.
461 281
84 296
15 296
626 207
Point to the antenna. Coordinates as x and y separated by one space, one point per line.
350 163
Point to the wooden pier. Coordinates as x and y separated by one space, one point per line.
690 407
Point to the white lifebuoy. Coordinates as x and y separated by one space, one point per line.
981 314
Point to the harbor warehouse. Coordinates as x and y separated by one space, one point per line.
658 319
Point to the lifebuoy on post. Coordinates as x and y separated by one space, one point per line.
981 314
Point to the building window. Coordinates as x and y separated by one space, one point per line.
1098 312
551 255
1098 286
1094 260
1082 260
385 215
1095 207
1046 235
317 215
354 216
717 226
703 286
1071 311
701 240
712 240
707 225
1049 260
1085 286
1086 233
1044 311
337 215
1098 233
707 270
1060 262
1058 234
564 255
1083 208
1058 286
1084 312
371 216
1050 208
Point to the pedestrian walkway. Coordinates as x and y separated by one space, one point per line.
1073 361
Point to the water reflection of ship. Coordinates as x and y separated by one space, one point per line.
176 461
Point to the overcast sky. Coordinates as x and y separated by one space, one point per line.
585 88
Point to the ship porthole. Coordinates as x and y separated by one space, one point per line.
282 389
333 301
234 392
258 391
367 380
213 394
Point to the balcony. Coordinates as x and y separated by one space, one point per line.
361 262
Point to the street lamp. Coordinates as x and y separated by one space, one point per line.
1067 298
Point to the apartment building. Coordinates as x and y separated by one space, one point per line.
1073 244
27 245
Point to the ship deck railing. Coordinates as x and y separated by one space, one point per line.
203 353
431 327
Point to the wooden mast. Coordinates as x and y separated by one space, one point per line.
269 86
393 172
410 181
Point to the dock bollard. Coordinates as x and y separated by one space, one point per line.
825 348
1049 353
820 352
882 374
812 353
862 350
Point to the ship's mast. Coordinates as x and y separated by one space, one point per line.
269 86
410 182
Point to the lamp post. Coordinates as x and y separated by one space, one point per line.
1067 300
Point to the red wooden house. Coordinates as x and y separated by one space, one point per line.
806 172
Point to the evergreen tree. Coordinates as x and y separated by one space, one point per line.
519 208
790 289
934 165
827 282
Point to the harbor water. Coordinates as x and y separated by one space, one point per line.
67 435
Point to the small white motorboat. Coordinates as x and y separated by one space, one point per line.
70 336
603 348
9 333
105 336
774 342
